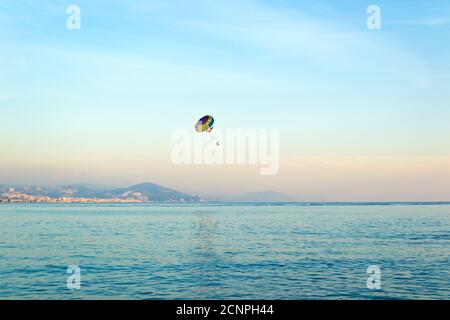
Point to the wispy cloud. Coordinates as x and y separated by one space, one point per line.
287 32
425 22
311 40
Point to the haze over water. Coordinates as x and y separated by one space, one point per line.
224 251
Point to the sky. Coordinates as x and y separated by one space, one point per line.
363 115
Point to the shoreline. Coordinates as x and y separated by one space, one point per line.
231 203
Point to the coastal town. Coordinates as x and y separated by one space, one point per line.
12 196
84 193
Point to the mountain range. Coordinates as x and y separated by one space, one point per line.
145 192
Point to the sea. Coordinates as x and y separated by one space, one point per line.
225 251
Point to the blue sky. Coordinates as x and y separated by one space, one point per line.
98 104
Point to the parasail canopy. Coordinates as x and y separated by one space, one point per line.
204 124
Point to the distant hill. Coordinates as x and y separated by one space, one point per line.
59 192
89 186
153 192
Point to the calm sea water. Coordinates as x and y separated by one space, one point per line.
224 252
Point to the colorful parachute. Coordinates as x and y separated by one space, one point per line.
204 124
